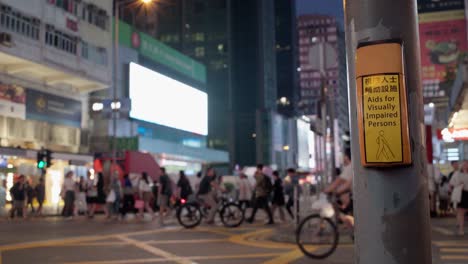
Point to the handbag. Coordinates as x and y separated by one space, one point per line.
457 194
139 204
111 197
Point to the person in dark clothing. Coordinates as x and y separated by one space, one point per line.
291 181
40 195
278 196
128 203
261 195
206 192
30 197
18 193
165 193
183 186
155 190
101 194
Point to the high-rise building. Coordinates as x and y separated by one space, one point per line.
318 47
240 42
53 55
287 58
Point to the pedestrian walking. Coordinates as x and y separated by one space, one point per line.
263 187
444 195
184 189
128 204
80 201
68 194
291 182
146 194
278 201
114 197
165 193
18 194
207 193
2 197
91 195
101 194
30 195
245 191
460 180
155 190
40 195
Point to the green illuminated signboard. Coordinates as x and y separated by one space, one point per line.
161 53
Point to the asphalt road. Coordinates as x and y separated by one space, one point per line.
97 241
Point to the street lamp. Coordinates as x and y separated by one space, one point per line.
116 108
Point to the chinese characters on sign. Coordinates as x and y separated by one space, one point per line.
382 118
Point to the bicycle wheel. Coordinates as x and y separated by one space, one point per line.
231 215
317 237
189 215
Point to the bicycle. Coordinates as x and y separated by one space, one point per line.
317 235
190 214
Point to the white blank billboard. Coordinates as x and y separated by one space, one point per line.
159 99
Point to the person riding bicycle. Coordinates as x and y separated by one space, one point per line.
207 191
342 187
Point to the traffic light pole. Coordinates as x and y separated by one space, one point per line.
391 204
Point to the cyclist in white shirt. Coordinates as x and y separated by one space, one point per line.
342 186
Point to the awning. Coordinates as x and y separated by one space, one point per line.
139 162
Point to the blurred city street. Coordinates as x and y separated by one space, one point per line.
54 240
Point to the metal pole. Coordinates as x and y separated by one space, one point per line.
323 109
116 67
392 216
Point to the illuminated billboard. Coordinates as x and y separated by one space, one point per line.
159 99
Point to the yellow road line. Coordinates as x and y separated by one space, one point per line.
153 260
186 241
454 257
154 250
454 250
246 239
453 243
75 240
286 258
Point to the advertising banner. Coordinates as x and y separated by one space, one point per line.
52 109
443 41
161 53
12 101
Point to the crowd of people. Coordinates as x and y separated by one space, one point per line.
117 197
453 193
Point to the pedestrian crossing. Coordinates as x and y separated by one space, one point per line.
450 251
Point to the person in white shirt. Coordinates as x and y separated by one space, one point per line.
342 186
68 194
460 180
245 191
145 193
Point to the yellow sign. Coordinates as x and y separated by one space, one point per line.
382 118
382 106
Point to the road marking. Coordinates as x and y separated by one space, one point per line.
454 250
454 257
183 241
286 258
154 250
246 239
1 257
76 240
153 260
456 243
443 231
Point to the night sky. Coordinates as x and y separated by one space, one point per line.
323 7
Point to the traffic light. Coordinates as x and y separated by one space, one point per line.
44 158
41 159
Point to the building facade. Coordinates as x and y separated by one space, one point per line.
53 54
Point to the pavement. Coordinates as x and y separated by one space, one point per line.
99 241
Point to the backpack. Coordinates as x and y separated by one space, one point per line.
268 184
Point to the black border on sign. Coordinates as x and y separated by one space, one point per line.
384 41
401 116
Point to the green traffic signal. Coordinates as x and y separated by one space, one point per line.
41 164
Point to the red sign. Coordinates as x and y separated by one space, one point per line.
72 25
442 39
